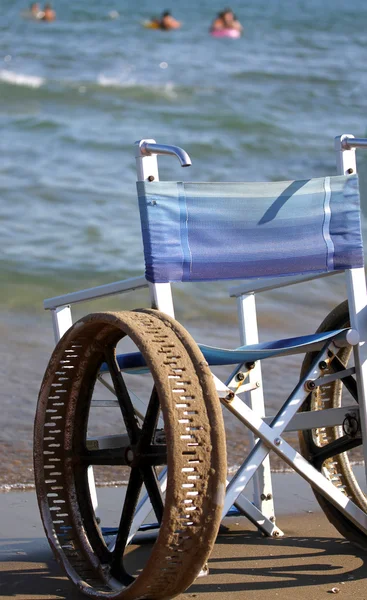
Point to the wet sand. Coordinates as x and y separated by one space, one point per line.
309 562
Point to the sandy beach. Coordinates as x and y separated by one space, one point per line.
310 561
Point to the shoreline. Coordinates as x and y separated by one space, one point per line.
6 488
276 472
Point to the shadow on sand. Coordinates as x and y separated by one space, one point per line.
242 563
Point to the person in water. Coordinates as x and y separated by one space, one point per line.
34 12
226 20
48 13
168 22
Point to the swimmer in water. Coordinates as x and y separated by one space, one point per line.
48 13
168 22
226 20
154 23
34 12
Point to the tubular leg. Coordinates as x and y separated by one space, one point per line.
263 492
61 320
357 297
161 297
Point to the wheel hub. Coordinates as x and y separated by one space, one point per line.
129 456
351 425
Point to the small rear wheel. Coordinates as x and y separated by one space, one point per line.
190 445
337 451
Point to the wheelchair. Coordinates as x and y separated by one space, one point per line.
170 436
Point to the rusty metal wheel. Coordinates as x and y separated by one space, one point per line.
191 445
337 451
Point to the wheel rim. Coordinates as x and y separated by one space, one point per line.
199 472
329 449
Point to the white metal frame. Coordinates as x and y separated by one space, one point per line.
266 431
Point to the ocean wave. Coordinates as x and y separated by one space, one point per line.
25 487
105 81
12 78
102 83
16 487
164 89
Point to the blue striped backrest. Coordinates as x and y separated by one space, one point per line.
213 231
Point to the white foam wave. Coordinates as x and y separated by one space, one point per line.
19 79
24 487
114 81
16 487
167 89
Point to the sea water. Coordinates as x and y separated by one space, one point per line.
75 94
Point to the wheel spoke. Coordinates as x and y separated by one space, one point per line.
107 456
349 381
154 492
123 397
153 456
150 420
342 444
131 499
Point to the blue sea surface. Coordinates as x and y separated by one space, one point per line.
77 93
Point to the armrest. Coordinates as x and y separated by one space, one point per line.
118 287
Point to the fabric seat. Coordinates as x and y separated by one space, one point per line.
134 361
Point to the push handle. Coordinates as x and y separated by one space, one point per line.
148 148
347 143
